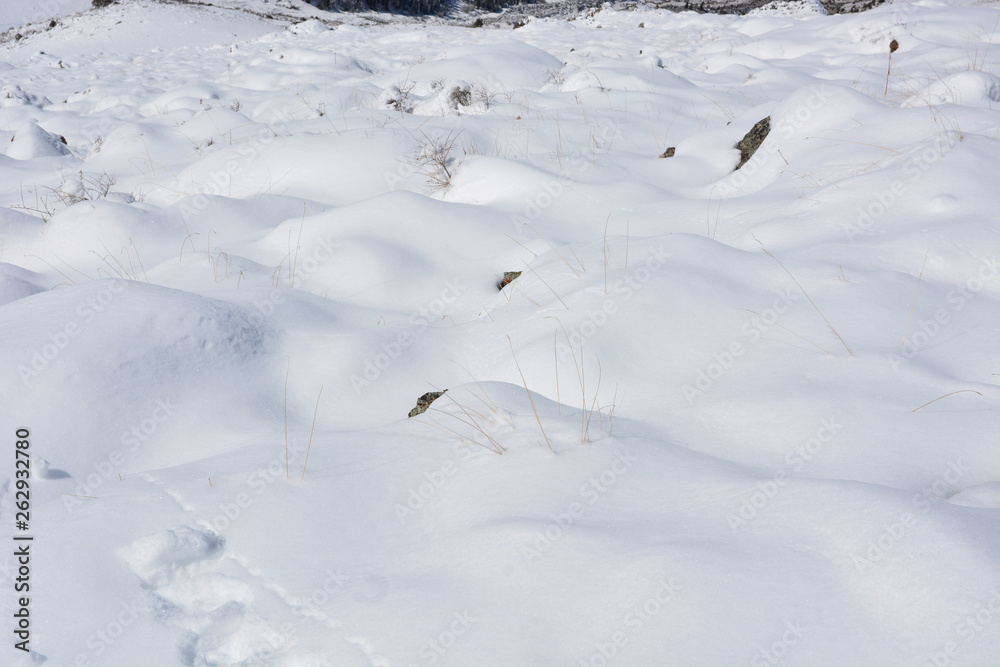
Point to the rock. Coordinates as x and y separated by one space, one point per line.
508 277
519 12
749 144
669 152
849 6
425 401
460 96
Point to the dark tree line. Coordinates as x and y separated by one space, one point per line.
495 5
414 7
443 7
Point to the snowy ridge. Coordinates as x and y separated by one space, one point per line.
234 251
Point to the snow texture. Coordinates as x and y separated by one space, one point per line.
720 418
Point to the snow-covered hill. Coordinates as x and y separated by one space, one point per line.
720 418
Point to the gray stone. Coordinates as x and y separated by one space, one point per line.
425 401
508 277
749 144
460 97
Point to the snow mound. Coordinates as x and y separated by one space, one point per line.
976 89
13 95
16 283
309 27
31 141
145 345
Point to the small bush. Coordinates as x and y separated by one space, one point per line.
432 158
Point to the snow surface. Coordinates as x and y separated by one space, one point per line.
19 12
763 411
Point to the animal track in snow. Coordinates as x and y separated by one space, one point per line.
180 566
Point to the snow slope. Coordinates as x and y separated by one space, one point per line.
720 418
15 13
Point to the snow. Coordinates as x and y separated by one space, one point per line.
720 418
31 141
19 12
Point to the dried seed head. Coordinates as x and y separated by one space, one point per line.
893 45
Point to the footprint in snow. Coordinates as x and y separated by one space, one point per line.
214 611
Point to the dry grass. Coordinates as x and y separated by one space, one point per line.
799 285
547 285
537 233
946 396
468 412
530 397
86 188
586 413
118 268
472 418
893 45
311 430
788 330
486 399
298 245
